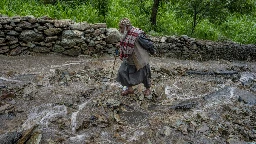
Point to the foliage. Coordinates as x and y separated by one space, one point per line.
207 30
241 6
240 28
204 19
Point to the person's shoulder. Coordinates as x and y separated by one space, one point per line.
137 28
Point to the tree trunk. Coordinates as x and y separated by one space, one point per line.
154 12
194 21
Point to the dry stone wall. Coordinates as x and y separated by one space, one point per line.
28 35
184 47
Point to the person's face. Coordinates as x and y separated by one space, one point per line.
121 29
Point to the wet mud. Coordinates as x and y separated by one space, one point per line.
59 99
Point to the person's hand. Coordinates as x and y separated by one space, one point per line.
118 45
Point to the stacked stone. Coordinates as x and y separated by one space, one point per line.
23 35
184 47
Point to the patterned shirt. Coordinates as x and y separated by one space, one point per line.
128 43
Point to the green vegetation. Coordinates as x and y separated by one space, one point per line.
218 20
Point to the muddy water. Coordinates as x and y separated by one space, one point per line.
77 100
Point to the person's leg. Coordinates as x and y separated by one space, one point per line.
147 85
146 80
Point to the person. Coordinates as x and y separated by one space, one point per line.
135 68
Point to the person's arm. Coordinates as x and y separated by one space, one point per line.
118 47
121 54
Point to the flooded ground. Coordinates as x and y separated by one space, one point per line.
56 99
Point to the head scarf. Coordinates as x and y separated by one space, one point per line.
125 22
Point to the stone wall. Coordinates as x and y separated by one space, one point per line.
183 47
28 35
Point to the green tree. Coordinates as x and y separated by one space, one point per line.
241 6
198 10
101 6
215 10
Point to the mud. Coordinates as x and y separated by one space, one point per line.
77 100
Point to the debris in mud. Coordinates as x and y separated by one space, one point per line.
213 72
247 98
112 103
192 102
7 95
10 137
5 107
27 135
133 117
185 105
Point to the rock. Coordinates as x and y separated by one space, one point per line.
117 117
166 131
4 49
185 105
51 39
68 43
35 138
2 34
220 95
72 52
246 97
5 107
163 39
235 141
13 33
247 78
4 20
25 25
52 31
99 25
40 49
41 28
113 36
189 72
58 48
225 72
203 128
112 103
69 34
183 128
17 51
80 26
10 138
7 95
30 35
27 134
2 40
62 23
253 88
133 117
185 37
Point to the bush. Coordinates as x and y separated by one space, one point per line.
207 30
240 28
